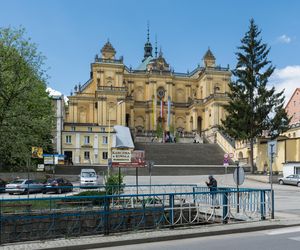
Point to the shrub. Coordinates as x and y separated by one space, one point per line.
95 201
112 184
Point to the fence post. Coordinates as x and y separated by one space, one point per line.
171 206
272 197
262 205
194 196
225 207
0 222
106 215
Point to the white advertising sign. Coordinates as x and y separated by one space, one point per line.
121 156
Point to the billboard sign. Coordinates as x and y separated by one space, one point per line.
58 159
37 152
137 160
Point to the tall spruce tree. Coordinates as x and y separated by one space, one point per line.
253 107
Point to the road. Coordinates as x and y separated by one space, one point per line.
287 198
278 239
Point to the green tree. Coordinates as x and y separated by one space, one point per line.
253 107
26 114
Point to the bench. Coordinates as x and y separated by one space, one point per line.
14 205
60 203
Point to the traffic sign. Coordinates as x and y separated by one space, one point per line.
239 176
226 162
231 155
272 148
226 155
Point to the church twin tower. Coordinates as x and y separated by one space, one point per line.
153 96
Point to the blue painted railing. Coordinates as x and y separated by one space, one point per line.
63 216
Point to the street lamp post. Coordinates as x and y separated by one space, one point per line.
109 141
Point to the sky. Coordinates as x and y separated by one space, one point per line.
69 33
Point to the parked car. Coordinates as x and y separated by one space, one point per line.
59 185
293 179
2 186
23 186
88 177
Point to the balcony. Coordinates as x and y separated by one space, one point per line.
112 89
102 60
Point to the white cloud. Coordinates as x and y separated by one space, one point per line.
284 39
53 92
287 78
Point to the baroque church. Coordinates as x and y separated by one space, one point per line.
153 96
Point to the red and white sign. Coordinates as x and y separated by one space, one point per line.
226 156
137 160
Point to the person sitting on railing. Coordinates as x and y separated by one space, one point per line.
213 187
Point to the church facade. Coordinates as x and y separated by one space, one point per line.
150 97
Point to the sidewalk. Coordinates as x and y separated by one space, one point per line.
127 238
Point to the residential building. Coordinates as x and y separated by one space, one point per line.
293 107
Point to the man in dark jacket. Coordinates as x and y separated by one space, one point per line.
212 184
213 187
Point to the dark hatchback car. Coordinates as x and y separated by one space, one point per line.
58 186
2 186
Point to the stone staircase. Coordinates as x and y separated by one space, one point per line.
182 154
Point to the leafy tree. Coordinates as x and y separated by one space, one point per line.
26 114
253 107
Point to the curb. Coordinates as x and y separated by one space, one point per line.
170 237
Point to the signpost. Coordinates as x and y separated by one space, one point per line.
272 149
239 177
129 159
226 162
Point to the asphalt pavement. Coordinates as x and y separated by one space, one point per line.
276 239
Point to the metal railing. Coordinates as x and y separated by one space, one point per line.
43 218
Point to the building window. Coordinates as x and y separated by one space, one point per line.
86 140
73 128
90 129
102 129
294 103
104 155
86 155
68 139
104 140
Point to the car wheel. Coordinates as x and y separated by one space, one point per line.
298 184
10 193
26 191
281 182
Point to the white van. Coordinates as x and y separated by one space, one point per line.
89 177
